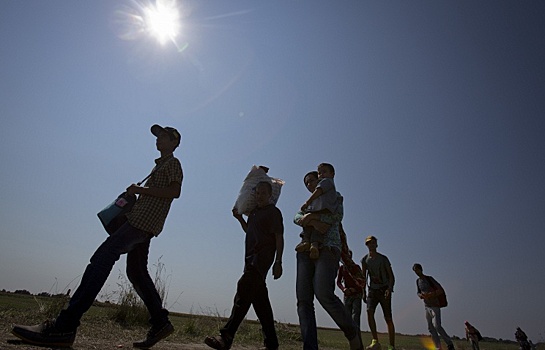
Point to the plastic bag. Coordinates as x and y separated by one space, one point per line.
246 202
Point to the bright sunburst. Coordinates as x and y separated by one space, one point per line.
162 20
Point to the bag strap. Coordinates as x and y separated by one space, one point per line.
155 168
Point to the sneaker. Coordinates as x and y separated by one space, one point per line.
375 345
450 347
218 342
45 334
155 334
302 247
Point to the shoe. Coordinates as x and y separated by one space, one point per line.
45 334
450 347
375 345
218 343
314 251
155 334
302 247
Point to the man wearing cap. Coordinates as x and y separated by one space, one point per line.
133 238
381 286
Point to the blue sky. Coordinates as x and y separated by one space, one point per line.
431 112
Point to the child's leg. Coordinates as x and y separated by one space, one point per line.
316 241
305 240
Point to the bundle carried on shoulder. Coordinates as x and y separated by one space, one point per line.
246 201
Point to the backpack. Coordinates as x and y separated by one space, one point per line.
441 298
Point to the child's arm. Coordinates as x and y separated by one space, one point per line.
317 193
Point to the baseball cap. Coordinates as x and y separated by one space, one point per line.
172 132
370 238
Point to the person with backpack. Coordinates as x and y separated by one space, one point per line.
434 296
473 335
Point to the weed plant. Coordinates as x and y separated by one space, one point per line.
131 310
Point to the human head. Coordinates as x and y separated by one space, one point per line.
417 268
311 180
326 170
166 143
371 242
263 193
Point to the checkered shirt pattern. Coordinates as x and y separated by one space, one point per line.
149 213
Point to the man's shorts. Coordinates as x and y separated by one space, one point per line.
375 297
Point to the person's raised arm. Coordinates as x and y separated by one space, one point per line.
240 219
317 193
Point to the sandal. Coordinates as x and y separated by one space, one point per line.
217 342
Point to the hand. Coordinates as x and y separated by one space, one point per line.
133 189
304 206
321 227
236 214
277 270
387 293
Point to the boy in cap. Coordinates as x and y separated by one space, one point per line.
144 221
381 286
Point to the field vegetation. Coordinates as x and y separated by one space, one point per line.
116 325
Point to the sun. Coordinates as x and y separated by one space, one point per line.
162 20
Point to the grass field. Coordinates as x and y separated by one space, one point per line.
100 331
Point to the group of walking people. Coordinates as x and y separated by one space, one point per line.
322 247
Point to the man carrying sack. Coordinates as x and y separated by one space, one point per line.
144 221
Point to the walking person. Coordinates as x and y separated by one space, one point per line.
264 244
381 286
352 290
144 221
316 277
473 335
429 290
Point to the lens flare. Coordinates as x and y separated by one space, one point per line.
162 20
427 343
159 19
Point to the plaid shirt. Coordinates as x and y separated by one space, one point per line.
149 213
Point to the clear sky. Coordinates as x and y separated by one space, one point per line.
432 112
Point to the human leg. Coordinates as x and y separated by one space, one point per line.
386 305
304 245
101 263
264 312
316 241
138 275
304 288
372 302
439 328
327 266
62 331
356 309
241 305
430 315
